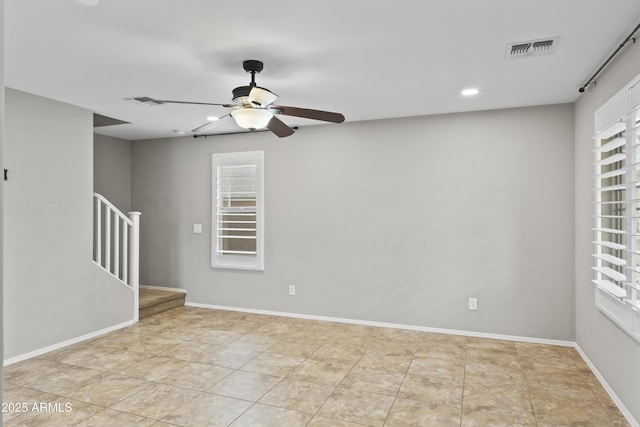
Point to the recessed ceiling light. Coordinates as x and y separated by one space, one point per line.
470 92
212 118
88 3
179 132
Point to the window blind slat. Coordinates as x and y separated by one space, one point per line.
612 288
611 126
611 174
611 145
611 159
234 222
612 187
611 273
610 245
611 259
609 230
621 203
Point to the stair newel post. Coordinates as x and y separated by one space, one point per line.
134 256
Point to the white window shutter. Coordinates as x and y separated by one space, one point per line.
238 210
617 209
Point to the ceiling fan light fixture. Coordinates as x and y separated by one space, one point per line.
261 96
251 118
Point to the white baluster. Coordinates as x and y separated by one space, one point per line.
134 243
116 246
97 237
125 253
107 239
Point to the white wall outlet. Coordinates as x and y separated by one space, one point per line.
292 289
473 304
197 228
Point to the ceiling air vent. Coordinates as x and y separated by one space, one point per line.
540 47
144 100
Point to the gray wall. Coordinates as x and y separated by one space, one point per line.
613 352
53 291
396 221
112 170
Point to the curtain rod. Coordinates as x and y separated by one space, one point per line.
629 37
205 135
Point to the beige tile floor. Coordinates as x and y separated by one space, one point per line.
199 367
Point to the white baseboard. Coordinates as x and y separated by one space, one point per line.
608 388
162 288
66 343
387 325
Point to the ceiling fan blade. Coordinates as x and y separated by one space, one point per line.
210 124
307 113
279 127
145 100
166 101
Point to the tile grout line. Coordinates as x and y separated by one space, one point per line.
526 382
254 403
336 386
464 378
395 398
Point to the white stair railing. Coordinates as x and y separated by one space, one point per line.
116 244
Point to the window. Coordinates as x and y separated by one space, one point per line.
238 211
617 216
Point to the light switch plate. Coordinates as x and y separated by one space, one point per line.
197 228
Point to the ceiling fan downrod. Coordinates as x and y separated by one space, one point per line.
252 66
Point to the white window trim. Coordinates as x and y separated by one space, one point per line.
617 278
230 261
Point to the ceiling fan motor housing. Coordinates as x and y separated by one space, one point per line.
252 66
241 95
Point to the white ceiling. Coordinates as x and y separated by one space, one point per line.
366 59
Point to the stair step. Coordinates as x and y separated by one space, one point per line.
154 301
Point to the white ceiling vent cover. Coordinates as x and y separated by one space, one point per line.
530 48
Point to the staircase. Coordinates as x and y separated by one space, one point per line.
116 247
153 301
116 244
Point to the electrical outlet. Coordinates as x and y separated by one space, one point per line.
292 290
473 304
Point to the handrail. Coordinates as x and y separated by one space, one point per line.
112 207
117 249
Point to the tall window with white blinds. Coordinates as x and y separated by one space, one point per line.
617 203
238 214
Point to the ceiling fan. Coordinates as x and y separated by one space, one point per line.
252 107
